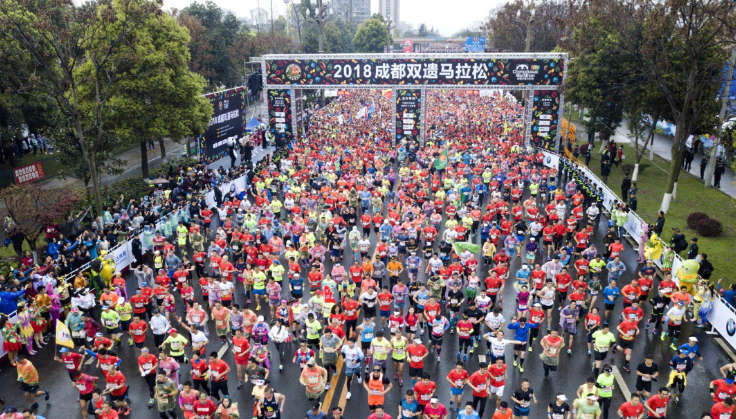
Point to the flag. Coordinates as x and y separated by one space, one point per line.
362 112
505 127
371 110
63 337
470 247
441 161
388 93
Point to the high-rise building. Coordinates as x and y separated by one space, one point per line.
390 10
356 11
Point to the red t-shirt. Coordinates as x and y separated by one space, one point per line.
480 381
657 404
720 411
147 362
112 414
629 330
219 367
630 411
722 391
424 392
497 375
351 309
206 410
435 412
458 378
117 379
416 352
139 331
71 360
384 300
85 383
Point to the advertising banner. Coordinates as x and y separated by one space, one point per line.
408 46
29 173
227 121
408 114
123 256
416 71
545 111
299 110
279 111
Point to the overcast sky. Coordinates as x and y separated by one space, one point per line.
448 17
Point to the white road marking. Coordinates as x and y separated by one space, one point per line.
621 383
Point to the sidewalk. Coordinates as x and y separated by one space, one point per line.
662 148
131 166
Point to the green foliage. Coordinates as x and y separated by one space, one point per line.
213 32
371 36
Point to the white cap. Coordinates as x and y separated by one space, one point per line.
693 338
260 318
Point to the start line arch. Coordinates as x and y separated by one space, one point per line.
541 75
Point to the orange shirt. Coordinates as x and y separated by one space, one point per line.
28 373
501 415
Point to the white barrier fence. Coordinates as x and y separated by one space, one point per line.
722 316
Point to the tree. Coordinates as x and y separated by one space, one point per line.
213 32
167 102
465 33
422 31
76 57
370 37
594 81
510 35
32 209
678 45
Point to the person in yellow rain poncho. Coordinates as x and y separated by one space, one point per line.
687 274
108 268
653 248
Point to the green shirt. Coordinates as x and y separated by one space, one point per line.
110 319
605 384
603 341
313 329
259 280
125 311
165 394
177 344
586 411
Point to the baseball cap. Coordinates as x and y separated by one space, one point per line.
311 362
64 350
171 331
260 318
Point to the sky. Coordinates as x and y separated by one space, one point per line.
448 17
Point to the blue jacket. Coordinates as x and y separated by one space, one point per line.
8 301
522 333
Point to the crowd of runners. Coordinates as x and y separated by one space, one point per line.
349 247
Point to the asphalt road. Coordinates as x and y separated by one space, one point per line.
573 370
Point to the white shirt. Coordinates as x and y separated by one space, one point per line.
364 245
593 211
159 325
497 347
352 356
495 321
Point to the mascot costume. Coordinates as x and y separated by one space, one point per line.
653 248
687 274
107 269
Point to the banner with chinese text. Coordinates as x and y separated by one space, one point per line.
408 114
228 120
29 173
416 71
545 114
279 112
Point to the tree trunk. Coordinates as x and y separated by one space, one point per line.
144 159
163 149
711 167
678 153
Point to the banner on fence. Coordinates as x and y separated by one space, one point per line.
123 256
29 173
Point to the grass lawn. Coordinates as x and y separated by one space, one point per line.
691 197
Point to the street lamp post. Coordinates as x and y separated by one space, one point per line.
390 25
528 22
322 14
286 2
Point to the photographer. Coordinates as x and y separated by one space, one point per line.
678 241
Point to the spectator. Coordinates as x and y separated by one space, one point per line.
659 224
706 268
692 253
625 185
678 241
729 295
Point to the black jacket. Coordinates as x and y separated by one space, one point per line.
706 269
692 253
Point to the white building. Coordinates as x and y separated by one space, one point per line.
390 9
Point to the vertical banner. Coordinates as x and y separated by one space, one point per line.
228 120
279 112
407 124
545 113
298 113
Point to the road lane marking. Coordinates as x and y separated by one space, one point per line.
333 383
621 383
222 351
343 394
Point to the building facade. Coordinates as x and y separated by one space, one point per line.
356 11
390 9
